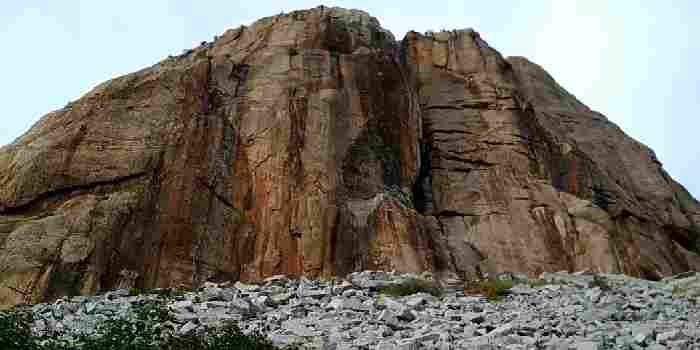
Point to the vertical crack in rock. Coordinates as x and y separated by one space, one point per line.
422 188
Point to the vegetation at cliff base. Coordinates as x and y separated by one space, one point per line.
15 331
412 286
493 290
149 329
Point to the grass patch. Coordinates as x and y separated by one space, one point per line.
537 283
677 290
493 290
412 286
371 146
168 293
403 198
601 283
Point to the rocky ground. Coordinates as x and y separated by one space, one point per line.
561 311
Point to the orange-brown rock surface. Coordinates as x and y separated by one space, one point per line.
312 143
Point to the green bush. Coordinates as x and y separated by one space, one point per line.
537 283
403 197
146 330
412 286
231 337
493 290
601 283
15 331
677 290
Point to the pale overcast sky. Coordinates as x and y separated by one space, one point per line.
631 60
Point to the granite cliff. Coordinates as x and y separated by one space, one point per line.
313 143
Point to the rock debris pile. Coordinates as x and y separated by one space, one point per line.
582 311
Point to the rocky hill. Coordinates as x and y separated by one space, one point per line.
313 143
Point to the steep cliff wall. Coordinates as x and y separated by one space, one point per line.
313 143
534 180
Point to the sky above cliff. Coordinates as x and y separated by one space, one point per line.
632 61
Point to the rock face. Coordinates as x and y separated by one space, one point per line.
312 143
520 170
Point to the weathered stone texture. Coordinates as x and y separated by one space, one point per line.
312 143
533 179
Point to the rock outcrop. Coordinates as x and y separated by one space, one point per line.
312 143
